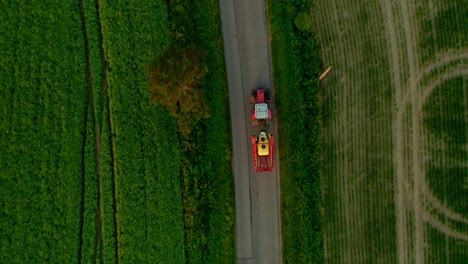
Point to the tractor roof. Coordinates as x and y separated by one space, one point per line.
261 111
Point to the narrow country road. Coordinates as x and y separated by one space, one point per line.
247 55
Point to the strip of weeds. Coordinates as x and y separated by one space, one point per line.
295 77
206 174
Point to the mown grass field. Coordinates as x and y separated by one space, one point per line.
295 78
90 171
394 130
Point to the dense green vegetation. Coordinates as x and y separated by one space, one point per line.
445 118
207 181
43 82
295 76
90 170
145 144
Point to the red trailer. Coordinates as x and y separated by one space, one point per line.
261 112
263 151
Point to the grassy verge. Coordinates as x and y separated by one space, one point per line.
43 81
295 73
207 181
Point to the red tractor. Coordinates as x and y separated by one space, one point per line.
263 151
261 112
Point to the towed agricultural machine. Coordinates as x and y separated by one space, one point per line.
261 112
263 151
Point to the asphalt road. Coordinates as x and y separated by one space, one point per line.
248 65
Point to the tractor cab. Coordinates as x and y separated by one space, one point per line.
261 112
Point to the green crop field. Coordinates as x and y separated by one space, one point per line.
90 171
394 130
43 80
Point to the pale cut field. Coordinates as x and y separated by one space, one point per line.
381 204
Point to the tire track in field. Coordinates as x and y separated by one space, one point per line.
457 70
430 200
441 60
397 132
418 177
407 13
89 81
440 80
97 135
436 204
106 104
89 88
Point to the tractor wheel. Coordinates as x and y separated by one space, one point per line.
268 96
253 97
